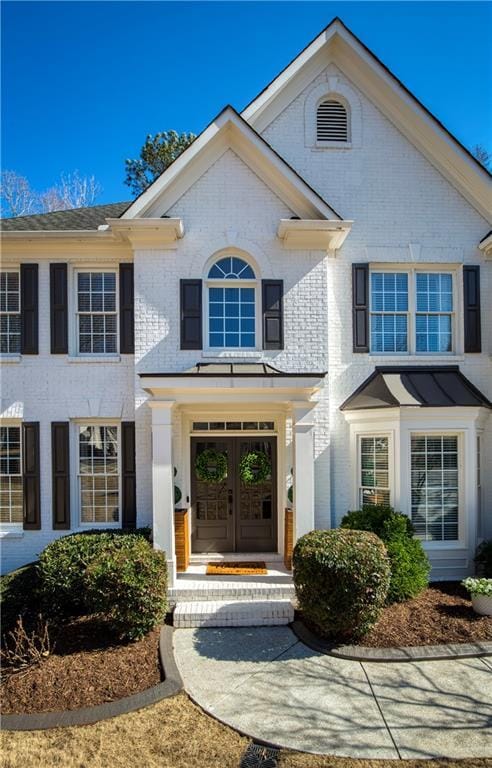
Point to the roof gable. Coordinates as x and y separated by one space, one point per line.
337 44
230 131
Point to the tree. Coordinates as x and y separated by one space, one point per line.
157 153
482 155
18 198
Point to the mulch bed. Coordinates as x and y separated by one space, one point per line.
86 668
440 614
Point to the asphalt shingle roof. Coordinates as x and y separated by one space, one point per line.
74 218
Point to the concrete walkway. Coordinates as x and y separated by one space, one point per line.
267 684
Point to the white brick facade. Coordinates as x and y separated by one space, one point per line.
404 211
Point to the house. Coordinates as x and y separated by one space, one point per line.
303 295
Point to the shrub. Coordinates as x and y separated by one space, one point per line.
19 595
63 562
130 587
23 648
483 559
341 579
409 564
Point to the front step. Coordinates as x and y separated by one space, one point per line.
224 613
201 591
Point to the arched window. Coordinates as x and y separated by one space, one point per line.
231 310
332 121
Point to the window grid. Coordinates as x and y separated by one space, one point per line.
374 471
98 474
434 307
389 311
97 316
231 310
435 487
11 494
10 319
218 426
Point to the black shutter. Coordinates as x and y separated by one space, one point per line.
59 309
127 321
29 309
191 314
273 317
30 464
128 479
360 307
60 460
471 306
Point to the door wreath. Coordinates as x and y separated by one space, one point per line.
254 468
211 466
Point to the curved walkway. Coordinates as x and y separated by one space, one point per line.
267 684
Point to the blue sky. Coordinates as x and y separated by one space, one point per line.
84 82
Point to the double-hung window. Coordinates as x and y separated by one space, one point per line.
435 487
412 312
11 508
96 312
99 476
231 287
10 318
374 485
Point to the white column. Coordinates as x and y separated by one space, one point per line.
303 444
163 482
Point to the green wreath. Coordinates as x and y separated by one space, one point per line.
211 466
254 468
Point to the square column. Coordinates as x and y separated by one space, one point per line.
303 434
163 482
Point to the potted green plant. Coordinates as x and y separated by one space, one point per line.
481 595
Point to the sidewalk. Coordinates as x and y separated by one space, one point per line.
265 683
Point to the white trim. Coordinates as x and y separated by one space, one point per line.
73 325
337 89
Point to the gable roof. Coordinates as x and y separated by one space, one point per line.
230 130
338 43
83 219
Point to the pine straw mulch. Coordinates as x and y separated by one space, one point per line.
441 614
87 667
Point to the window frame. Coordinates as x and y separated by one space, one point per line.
208 283
460 542
15 525
411 313
100 269
13 269
358 486
75 484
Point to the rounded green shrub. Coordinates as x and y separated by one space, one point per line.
483 559
409 563
63 562
341 579
129 586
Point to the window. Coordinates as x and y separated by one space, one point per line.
331 121
10 319
412 312
96 305
434 483
374 471
231 310
98 474
11 508
218 426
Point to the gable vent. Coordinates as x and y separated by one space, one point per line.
331 121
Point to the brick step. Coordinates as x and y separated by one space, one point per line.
236 613
235 591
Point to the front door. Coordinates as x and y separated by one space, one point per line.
233 515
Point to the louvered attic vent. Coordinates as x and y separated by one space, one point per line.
331 122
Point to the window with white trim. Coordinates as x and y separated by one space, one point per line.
231 309
99 475
11 494
10 313
412 312
332 121
435 487
374 484
96 312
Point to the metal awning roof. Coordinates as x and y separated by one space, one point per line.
233 369
424 386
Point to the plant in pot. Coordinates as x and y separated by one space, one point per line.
481 595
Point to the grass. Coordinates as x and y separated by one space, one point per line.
174 733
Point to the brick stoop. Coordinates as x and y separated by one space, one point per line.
236 613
